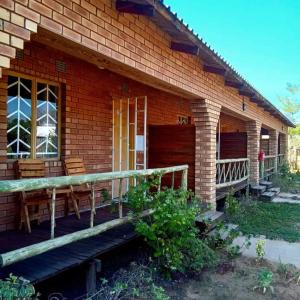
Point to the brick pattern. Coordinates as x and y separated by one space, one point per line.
129 40
253 142
273 144
86 115
206 118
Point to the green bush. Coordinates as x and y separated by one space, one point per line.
15 288
171 230
232 205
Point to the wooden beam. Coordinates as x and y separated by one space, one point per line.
234 84
246 93
11 186
132 7
185 48
215 70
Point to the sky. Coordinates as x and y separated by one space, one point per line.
259 38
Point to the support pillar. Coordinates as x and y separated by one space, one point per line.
273 146
206 117
253 147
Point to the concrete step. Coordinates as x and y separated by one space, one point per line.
223 233
267 184
268 196
257 190
275 190
209 220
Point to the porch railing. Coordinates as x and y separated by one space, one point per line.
231 171
53 183
267 166
280 159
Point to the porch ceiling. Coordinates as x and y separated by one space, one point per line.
187 41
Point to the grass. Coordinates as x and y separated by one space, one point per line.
274 220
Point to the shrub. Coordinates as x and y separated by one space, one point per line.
232 205
265 279
14 287
137 282
171 230
260 251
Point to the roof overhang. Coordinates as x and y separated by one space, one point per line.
183 39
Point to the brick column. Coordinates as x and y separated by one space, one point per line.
253 145
273 145
206 117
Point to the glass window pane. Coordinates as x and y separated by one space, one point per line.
19 117
47 121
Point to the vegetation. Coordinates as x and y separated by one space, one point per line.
273 220
260 251
291 106
137 282
171 230
232 205
265 279
14 287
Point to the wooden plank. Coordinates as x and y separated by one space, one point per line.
36 249
214 69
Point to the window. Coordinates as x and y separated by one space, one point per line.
32 118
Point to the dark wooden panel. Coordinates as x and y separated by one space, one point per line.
171 145
233 145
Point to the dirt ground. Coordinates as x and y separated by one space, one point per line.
236 280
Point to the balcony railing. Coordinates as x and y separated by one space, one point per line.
280 159
53 183
231 171
267 166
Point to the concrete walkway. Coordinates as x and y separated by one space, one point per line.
287 198
276 251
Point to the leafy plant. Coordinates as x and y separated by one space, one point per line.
14 287
232 205
171 230
265 279
105 195
137 282
260 249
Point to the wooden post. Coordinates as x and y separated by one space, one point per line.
184 179
159 183
53 212
93 210
93 268
173 180
120 199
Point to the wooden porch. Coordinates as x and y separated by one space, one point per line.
60 244
43 266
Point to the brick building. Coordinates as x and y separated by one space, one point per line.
78 74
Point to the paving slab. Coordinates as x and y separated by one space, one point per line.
285 200
276 250
289 195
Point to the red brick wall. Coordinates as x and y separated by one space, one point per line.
86 114
133 42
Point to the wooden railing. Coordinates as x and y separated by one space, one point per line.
53 183
231 171
267 166
280 159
